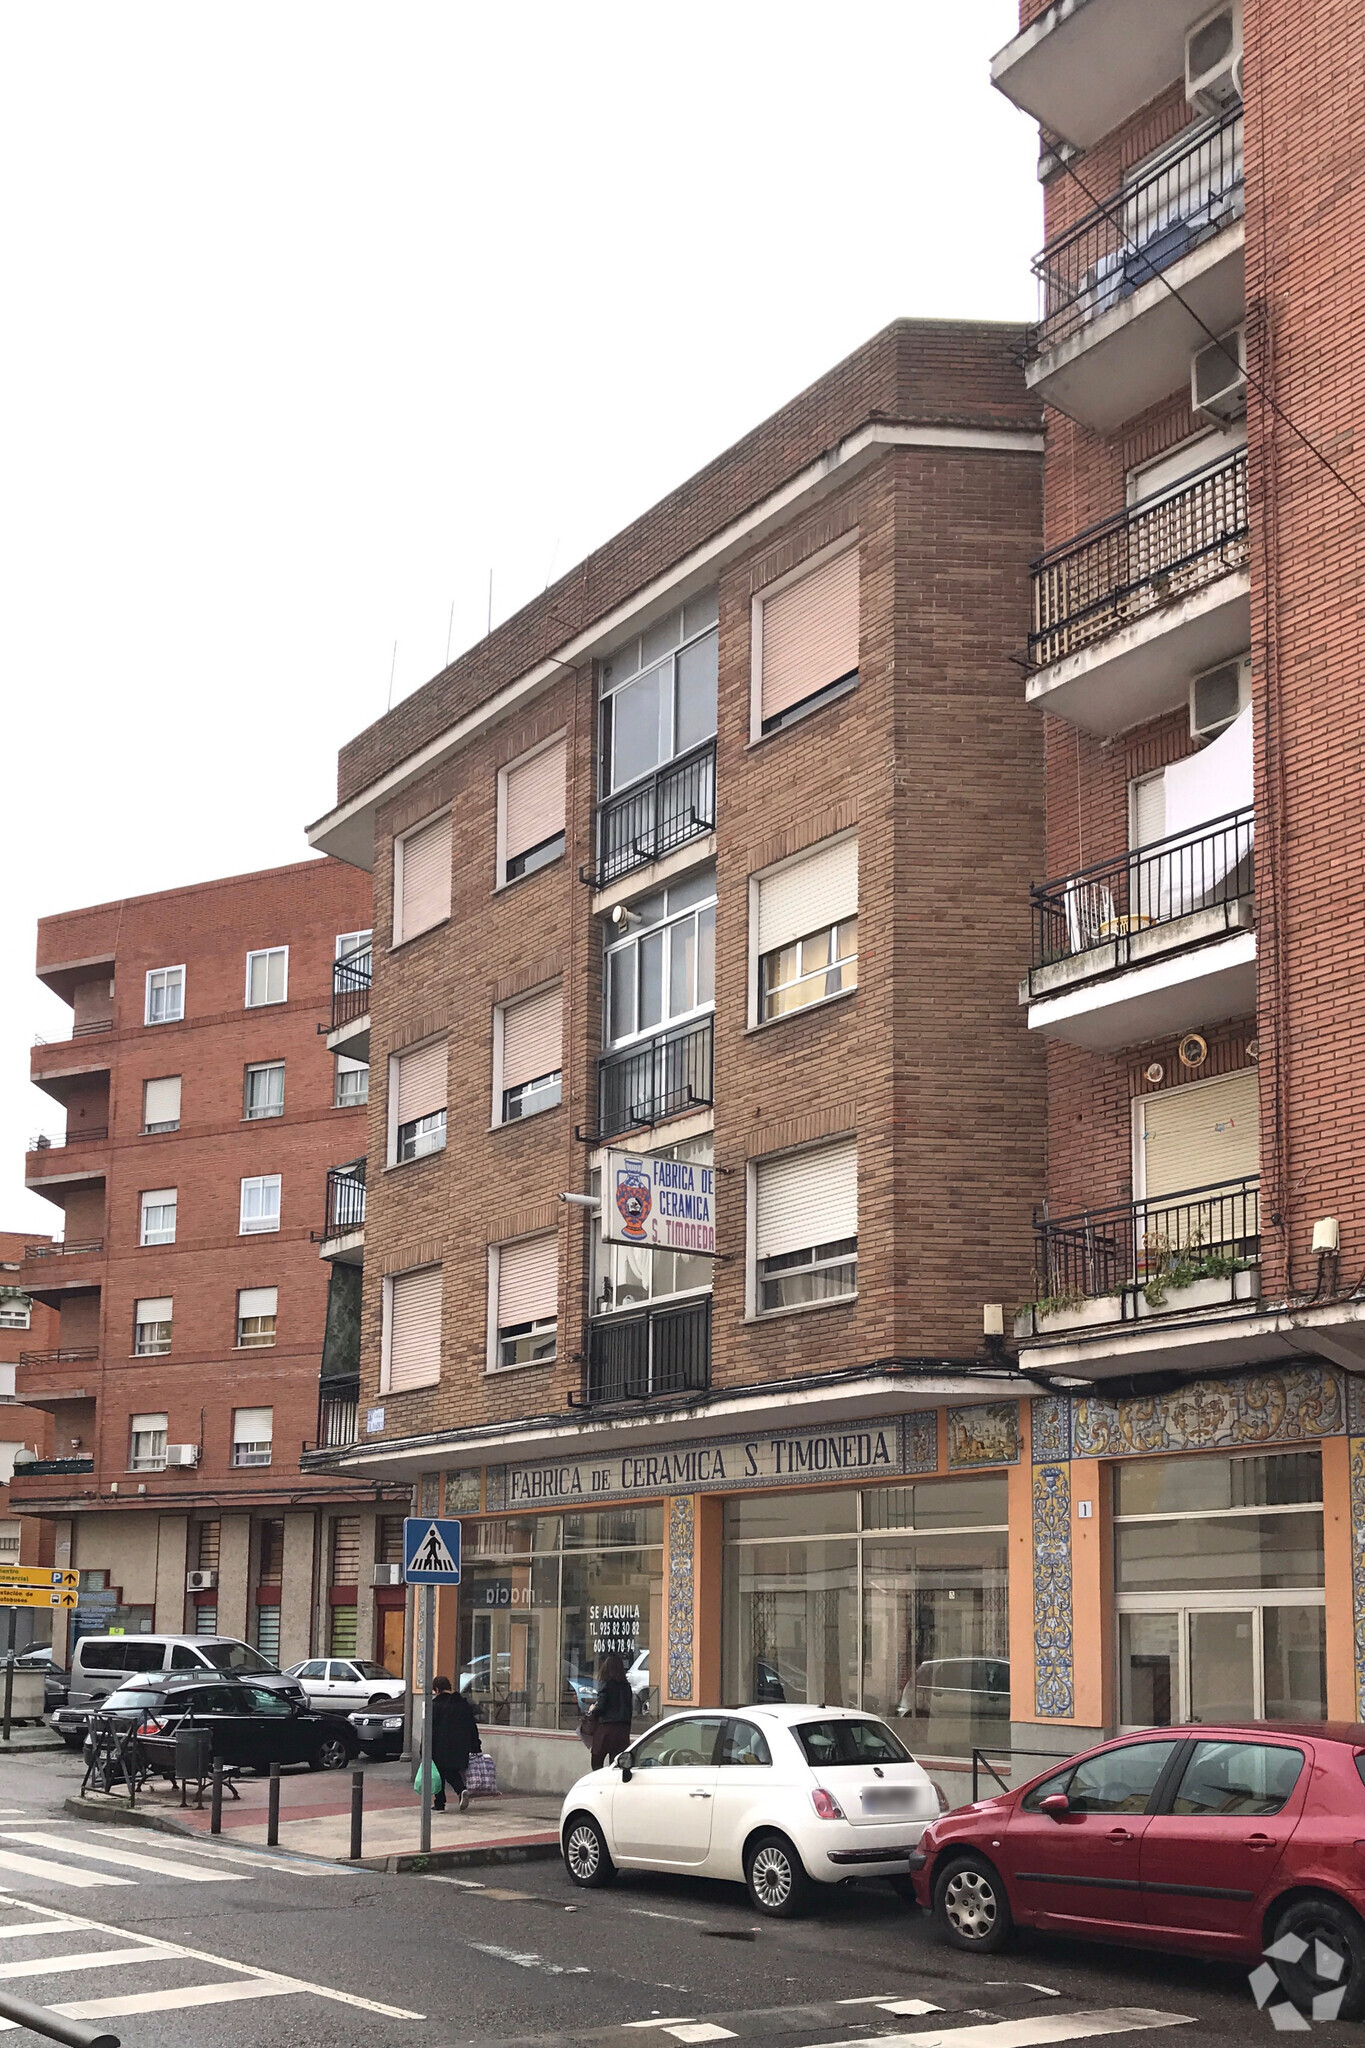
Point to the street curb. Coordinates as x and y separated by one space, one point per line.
32 1742
494 1853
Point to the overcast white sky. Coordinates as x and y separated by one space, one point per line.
314 314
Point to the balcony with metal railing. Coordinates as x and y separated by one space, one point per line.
1112 336
349 1029
651 1355
650 820
1150 943
653 1079
338 1416
1127 612
1192 1252
343 1228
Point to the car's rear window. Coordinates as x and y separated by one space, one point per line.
133 1696
234 1657
850 1742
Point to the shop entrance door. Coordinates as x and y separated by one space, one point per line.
1215 1662
390 1645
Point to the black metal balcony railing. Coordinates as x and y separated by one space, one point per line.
76 1134
1140 560
1113 251
338 1415
1170 1241
663 1076
69 1354
90 1028
677 803
658 1352
62 1250
345 1199
53 1468
351 980
1153 886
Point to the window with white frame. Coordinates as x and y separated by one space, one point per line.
805 923
147 1443
158 1216
260 1204
165 995
152 1326
628 1276
421 879
658 693
257 1308
805 1227
528 1042
161 1105
16 1310
805 639
351 943
264 1091
531 803
253 1430
411 1354
352 1083
267 977
523 1281
661 959
417 1096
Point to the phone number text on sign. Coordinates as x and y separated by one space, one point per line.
614 1629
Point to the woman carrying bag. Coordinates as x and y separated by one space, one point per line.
454 1739
608 1721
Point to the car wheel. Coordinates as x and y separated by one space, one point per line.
381 1699
1323 1957
586 1857
333 1754
776 1877
970 1906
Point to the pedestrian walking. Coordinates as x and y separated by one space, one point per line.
454 1739
609 1717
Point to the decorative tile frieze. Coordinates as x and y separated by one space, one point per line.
1054 1684
494 1488
988 1435
1293 1404
681 1622
1050 1429
921 1441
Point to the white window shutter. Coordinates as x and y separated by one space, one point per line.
535 799
806 1198
422 1081
154 1308
257 1301
141 1424
1196 1135
1149 810
810 633
528 1281
424 878
253 1425
533 1037
809 894
161 1101
414 1329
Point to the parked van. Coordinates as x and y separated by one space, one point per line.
100 1664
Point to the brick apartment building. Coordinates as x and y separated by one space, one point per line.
184 1300
716 855
1196 655
25 1324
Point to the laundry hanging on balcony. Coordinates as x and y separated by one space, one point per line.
1209 830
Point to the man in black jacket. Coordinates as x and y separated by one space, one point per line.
454 1739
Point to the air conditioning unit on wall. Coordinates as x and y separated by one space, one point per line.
1218 378
182 1454
1213 59
200 1582
1219 696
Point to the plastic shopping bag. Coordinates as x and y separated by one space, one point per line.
433 1778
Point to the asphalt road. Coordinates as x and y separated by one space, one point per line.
222 1945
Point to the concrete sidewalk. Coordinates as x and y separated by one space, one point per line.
315 1819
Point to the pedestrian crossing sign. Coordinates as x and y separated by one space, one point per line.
431 1551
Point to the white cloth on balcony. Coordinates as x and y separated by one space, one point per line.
1207 785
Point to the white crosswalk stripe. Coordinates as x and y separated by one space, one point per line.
1034 2032
60 1873
126 1859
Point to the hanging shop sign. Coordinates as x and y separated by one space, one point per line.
667 1205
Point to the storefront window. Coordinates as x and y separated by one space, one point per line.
544 1597
894 1600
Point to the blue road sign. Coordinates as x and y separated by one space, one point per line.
431 1551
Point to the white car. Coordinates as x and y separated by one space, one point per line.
779 1797
342 1685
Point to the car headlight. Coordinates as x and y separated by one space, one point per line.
394 1721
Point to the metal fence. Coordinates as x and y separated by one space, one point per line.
665 1076
1154 885
1157 218
351 980
345 1199
657 1352
1140 560
77 1134
677 803
338 1415
1195 1233
60 1249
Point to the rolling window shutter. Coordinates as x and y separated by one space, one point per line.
528 1281
806 894
161 1101
257 1301
415 1329
154 1308
424 891
807 1199
422 1081
142 1425
1195 1136
253 1425
535 799
810 633
532 1038
1149 810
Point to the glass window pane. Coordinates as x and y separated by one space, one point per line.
651 950
1165 1486
792 1622
661 637
1213 1552
690 1271
623 1528
698 888
635 727
936 1639
1295 1649
612 1600
1222 1665
699 611
1149 1670
621 968
790 1514
1121 1780
706 957
682 967
1237 1778
696 715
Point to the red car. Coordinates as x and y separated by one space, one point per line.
1219 1841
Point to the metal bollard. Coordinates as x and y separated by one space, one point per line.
216 1812
41 2019
357 1812
272 1820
